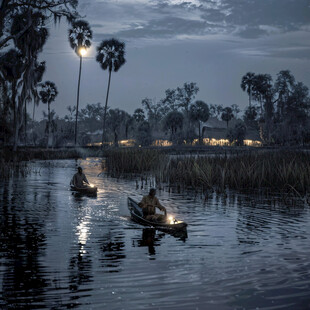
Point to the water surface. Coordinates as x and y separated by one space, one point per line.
61 251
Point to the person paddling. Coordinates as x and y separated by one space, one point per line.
79 179
149 203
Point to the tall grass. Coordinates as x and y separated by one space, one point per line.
120 162
276 170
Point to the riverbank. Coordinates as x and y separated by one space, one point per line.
32 153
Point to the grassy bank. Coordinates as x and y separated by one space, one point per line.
276 170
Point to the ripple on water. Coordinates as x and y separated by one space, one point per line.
64 251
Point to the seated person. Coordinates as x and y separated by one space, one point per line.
149 203
79 179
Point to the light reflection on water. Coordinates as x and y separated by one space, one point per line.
60 250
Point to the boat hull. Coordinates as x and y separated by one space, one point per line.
137 216
85 190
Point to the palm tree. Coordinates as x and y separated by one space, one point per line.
48 94
247 84
111 56
199 112
227 115
80 36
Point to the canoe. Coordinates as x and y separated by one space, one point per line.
137 216
85 190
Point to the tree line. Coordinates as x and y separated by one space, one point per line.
23 34
278 110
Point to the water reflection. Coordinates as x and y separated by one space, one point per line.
112 246
61 251
148 240
80 274
23 242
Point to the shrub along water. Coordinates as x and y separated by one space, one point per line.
276 170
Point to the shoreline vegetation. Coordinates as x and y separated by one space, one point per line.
281 171
202 169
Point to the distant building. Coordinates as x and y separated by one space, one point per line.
217 129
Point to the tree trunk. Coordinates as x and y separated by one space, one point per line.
115 139
250 97
49 126
77 102
15 116
199 135
105 110
34 105
25 123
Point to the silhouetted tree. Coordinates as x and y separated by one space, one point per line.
144 134
48 94
250 116
284 87
186 95
51 9
227 115
247 84
12 67
111 56
265 91
236 110
199 112
115 121
215 110
173 122
170 102
139 115
154 112
30 43
80 36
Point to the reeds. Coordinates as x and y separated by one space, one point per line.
121 162
9 169
271 170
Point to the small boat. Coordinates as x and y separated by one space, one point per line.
137 215
88 190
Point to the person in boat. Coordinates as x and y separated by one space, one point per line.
149 203
79 179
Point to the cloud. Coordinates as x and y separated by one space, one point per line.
139 22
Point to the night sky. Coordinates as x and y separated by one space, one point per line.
169 42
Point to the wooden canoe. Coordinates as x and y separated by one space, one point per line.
137 216
88 190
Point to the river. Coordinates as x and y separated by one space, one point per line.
61 251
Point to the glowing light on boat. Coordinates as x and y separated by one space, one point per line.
172 220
